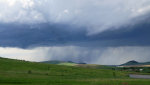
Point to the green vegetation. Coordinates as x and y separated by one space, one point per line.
15 72
69 63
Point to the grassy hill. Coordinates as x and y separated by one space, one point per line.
131 63
83 65
136 64
16 72
66 63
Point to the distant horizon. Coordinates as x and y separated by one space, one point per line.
74 62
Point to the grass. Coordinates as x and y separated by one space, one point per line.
68 64
15 72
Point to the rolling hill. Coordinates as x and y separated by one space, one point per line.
67 63
134 63
83 65
17 72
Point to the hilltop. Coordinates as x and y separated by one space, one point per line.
134 63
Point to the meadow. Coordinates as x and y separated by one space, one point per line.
17 72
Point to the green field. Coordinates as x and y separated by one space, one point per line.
15 72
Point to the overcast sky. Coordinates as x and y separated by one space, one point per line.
90 31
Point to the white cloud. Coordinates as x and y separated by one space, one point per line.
23 54
95 15
66 11
21 11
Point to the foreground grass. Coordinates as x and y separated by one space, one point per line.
14 72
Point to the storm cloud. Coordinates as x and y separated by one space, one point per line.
27 36
103 55
90 31
95 15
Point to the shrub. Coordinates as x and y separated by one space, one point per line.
29 72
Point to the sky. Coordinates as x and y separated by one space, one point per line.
90 31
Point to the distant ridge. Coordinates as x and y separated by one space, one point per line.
135 63
67 63
59 62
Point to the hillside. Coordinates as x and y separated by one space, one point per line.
83 65
136 64
131 63
18 72
67 63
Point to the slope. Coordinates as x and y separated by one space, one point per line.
16 72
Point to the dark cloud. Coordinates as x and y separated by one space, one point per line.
25 35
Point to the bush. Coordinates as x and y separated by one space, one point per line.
114 74
29 72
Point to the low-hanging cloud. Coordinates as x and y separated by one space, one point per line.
94 15
104 55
